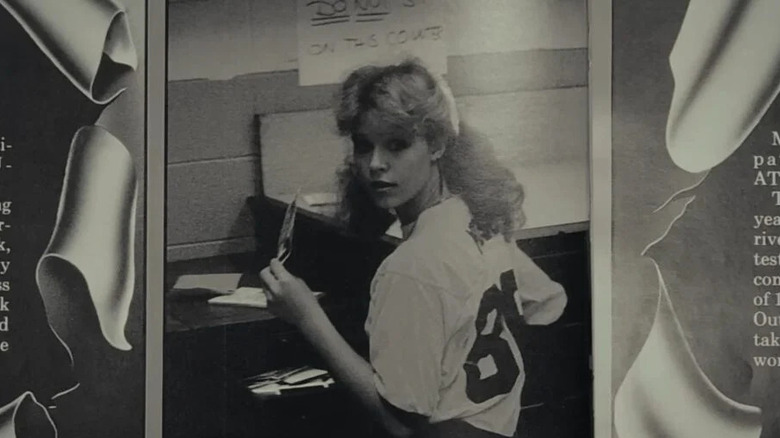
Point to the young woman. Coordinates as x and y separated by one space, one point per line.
445 304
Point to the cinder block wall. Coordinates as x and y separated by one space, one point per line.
525 86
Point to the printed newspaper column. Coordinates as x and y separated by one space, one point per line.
766 259
6 149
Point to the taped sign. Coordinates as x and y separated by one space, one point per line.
337 36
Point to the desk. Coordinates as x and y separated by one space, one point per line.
210 349
189 309
185 313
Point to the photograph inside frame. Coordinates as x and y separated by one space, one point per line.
72 218
377 219
694 289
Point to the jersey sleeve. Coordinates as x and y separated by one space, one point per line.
541 299
406 335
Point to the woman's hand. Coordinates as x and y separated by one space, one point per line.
292 300
288 296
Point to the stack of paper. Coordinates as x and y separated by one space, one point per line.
277 382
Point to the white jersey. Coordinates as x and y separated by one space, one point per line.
438 321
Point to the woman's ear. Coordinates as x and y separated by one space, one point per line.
437 153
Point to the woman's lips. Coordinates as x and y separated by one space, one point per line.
382 186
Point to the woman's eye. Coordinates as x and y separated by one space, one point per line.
361 145
397 145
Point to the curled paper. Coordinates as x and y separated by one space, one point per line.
726 68
94 50
665 394
25 417
92 244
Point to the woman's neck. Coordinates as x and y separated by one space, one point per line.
431 194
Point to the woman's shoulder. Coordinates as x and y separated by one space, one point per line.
437 237
438 259
417 258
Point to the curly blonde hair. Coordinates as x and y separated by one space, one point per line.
406 97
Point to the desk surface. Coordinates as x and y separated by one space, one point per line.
187 310
192 314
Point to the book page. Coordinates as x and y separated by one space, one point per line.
690 293
72 218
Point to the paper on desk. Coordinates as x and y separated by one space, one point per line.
243 296
246 297
222 283
274 383
276 388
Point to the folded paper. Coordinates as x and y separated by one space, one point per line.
25 417
665 394
726 68
93 48
243 296
92 241
221 283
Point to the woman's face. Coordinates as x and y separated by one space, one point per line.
394 168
